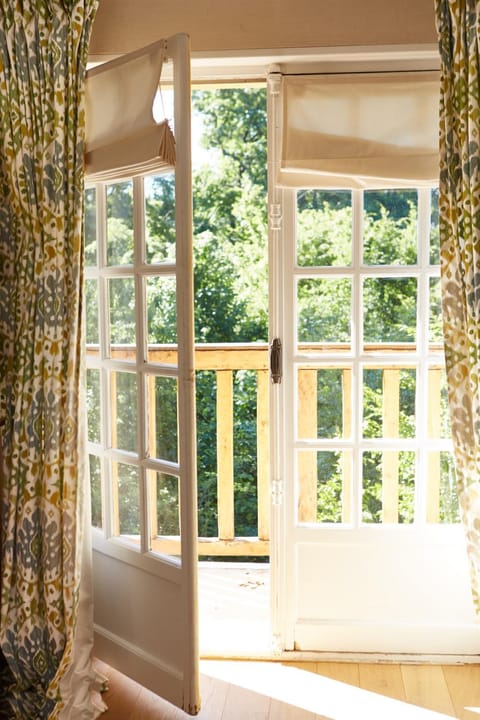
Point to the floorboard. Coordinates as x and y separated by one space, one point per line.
425 685
463 684
342 672
242 690
382 678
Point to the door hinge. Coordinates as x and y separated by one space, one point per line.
276 360
275 216
277 492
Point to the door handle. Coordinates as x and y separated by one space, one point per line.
276 360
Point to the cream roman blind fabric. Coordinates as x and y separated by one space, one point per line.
367 130
122 136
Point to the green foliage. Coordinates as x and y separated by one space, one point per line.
168 520
324 235
160 218
120 202
245 456
90 228
329 487
388 240
235 122
391 203
207 454
230 221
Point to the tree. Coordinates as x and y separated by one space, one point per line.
230 216
230 275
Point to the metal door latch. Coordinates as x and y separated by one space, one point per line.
276 360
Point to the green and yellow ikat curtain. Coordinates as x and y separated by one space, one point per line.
458 30
43 55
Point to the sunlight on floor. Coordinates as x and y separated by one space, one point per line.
473 710
329 699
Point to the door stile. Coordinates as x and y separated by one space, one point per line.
280 548
186 367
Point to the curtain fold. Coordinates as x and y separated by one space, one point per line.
458 31
43 54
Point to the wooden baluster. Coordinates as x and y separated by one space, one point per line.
434 431
263 494
225 499
152 452
391 429
114 466
347 455
307 460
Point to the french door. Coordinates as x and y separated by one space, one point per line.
141 405
367 554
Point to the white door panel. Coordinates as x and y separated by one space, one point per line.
125 596
144 454
384 595
395 578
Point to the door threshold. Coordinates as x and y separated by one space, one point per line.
285 656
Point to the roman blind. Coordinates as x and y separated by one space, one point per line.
374 130
122 137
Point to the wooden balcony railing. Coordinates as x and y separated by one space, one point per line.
224 360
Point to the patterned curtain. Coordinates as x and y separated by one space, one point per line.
43 54
458 30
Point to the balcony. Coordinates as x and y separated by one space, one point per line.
224 361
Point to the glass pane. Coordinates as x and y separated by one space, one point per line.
96 491
434 229
90 227
449 506
160 218
390 227
372 403
442 494
93 405
388 490
435 334
324 486
163 423
91 312
323 307
120 223
324 228
438 411
167 498
124 411
389 403
407 409
126 479
389 309
161 311
122 311
321 402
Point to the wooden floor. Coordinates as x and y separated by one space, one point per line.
242 690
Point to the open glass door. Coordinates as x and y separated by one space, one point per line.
369 554
141 407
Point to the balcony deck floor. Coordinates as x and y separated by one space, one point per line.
234 609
